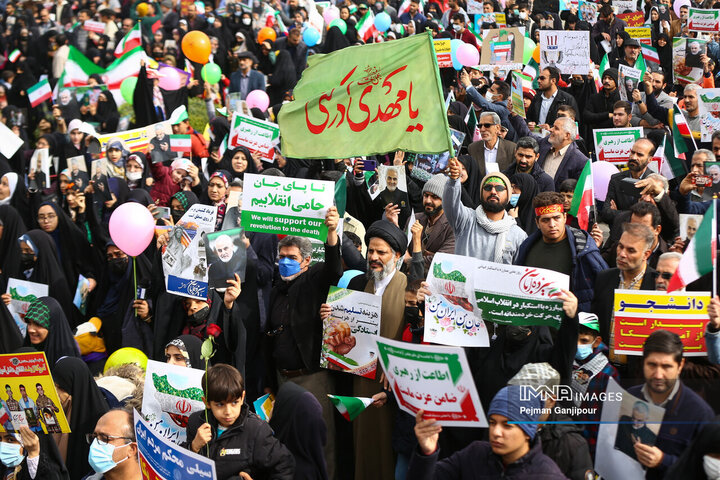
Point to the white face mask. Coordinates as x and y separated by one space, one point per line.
457 28
711 466
489 96
523 15
246 21
133 176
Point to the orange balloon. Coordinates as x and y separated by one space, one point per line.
536 54
196 46
266 33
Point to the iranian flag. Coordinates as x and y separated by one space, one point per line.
650 54
699 257
132 39
583 199
14 55
350 407
671 166
604 65
366 26
39 92
156 26
180 143
680 131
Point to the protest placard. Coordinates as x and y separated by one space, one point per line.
172 393
226 257
642 34
686 70
629 79
703 20
435 379
141 139
22 294
474 7
710 98
161 459
81 294
516 95
349 332
291 206
486 20
614 144
40 167
588 11
183 259
502 47
450 315
516 295
256 135
634 19
638 313
10 142
624 6
613 452
30 396
688 225
442 52
569 51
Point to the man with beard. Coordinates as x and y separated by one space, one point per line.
393 195
559 156
228 264
526 155
488 232
685 411
620 197
437 234
691 112
160 146
598 113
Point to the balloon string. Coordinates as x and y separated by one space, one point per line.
135 281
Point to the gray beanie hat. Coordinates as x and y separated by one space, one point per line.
436 185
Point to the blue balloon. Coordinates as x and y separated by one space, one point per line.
454 44
347 276
382 21
311 37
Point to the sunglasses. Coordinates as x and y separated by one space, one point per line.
664 275
542 77
497 188
485 125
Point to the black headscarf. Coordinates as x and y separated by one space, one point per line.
89 404
189 345
284 77
335 40
471 187
526 214
226 163
298 423
141 196
59 342
11 338
13 227
47 268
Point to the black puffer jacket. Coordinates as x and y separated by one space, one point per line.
249 445
566 446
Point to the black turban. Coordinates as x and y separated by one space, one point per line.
396 238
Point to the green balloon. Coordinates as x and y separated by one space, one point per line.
528 49
340 23
127 88
211 73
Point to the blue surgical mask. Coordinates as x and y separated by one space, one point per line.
288 267
10 454
514 199
583 351
100 456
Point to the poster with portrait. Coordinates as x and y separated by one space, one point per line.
22 294
393 177
171 394
139 139
78 172
629 79
81 294
99 180
588 11
502 47
569 51
689 223
226 257
29 396
695 48
349 332
683 72
39 167
233 208
184 258
625 420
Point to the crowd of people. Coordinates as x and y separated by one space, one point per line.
504 196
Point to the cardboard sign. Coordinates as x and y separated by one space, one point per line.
638 313
569 51
22 294
642 34
701 20
686 69
634 19
502 47
258 136
614 144
442 52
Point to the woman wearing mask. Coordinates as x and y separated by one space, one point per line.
181 203
137 172
83 404
48 330
27 455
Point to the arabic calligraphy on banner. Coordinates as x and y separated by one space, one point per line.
256 135
614 144
638 313
283 205
435 379
516 295
349 333
161 459
700 20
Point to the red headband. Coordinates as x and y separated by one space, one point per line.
557 208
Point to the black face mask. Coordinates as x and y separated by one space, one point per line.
200 316
517 335
412 316
27 261
118 266
176 215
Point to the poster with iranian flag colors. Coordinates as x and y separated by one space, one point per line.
517 295
349 332
435 379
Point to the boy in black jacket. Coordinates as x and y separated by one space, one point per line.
242 445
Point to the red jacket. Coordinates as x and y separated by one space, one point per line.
164 187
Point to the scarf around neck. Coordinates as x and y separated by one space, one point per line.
498 228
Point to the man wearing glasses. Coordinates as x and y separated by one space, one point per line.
492 153
113 450
488 232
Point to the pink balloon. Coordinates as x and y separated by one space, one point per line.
468 55
132 227
259 99
169 78
601 172
330 14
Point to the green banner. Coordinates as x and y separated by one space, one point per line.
510 310
368 100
